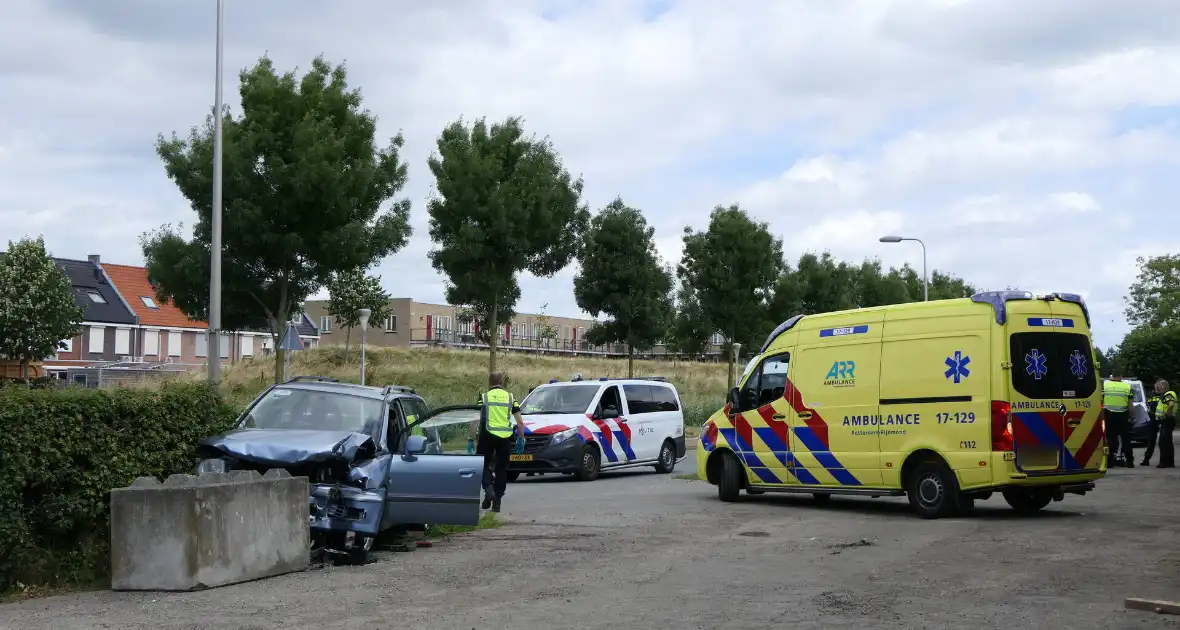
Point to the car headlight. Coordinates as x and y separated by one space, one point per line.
562 436
207 466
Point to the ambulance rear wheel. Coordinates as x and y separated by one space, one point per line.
1028 501
729 483
933 490
588 465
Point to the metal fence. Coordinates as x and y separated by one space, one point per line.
114 374
540 345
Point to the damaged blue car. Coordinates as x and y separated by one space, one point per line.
373 456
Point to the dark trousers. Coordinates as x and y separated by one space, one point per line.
1118 436
495 451
1167 449
1153 429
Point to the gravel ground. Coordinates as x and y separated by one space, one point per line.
642 550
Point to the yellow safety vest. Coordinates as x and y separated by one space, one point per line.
497 412
1116 395
1166 401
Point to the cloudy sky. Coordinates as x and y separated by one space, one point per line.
1028 143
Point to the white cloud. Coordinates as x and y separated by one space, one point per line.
1028 144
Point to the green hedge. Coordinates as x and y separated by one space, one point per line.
63 450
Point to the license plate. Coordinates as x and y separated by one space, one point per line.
520 458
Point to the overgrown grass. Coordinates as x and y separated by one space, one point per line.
450 377
487 520
687 477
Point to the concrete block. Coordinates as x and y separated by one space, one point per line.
202 531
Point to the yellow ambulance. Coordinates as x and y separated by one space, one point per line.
944 402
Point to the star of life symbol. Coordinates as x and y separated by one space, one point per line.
957 367
1078 365
1035 364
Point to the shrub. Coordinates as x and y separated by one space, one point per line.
63 450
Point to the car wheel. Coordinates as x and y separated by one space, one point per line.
1027 501
588 465
730 484
933 490
513 476
666 462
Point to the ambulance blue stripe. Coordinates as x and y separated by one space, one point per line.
1045 435
621 440
771 439
760 469
809 439
825 457
803 475
735 441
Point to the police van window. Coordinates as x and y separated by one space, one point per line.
664 398
766 383
610 398
1050 365
639 399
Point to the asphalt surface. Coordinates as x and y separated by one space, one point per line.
642 550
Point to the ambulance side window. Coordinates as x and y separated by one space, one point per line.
766 384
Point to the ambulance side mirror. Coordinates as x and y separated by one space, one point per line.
732 396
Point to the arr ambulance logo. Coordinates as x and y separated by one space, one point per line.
842 374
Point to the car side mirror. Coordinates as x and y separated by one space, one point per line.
610 413
732 396
415 445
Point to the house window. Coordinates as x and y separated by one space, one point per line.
96 297
174 337
122 341
202 344
148 302
223 345
66 345
247 345
391 324
97 340
326 323
151 343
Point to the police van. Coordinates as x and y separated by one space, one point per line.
583 427
943 402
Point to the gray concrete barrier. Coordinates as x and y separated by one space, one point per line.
193 532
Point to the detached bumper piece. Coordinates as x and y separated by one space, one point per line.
333 508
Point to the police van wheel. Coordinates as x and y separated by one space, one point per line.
730 483
1028 501
933 490
589 464
666 462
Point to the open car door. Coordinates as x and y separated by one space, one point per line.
430 481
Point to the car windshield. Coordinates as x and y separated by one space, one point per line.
1137 389
555 399
283 408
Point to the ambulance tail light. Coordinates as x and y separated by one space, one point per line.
1001 426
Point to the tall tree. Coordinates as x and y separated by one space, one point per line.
689 329
38 308
305 183
351 290
621 277
731 268
504 205
1154 299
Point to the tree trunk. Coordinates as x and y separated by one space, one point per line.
24 369
493 336
630 361
280 355
347 343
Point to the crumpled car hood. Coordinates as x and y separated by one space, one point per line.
293 447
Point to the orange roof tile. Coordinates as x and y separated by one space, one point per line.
133 284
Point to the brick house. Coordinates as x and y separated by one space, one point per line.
107 321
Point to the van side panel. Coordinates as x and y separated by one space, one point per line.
935 391
836 370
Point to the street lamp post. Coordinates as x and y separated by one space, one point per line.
925 278
215 240
364 313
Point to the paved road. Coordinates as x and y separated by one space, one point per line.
642 550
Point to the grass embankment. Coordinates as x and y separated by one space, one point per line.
487 520
456 377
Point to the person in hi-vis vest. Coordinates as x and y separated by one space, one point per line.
1116 405
498 408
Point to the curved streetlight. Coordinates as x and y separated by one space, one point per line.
925 281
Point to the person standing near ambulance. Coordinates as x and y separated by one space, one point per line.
1116 404
1165 415
498 407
